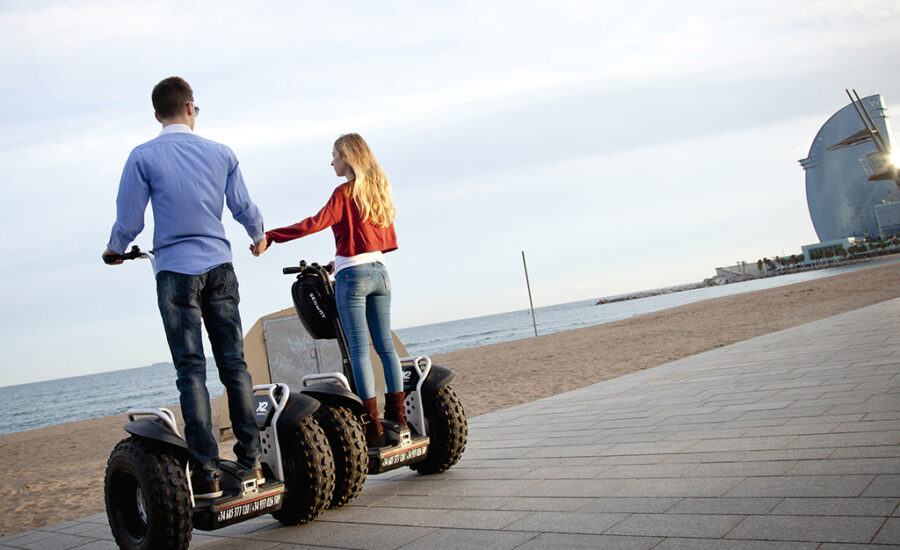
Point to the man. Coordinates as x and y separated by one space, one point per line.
187 178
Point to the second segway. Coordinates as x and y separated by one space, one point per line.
436 436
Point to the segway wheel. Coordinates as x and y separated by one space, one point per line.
308 470
148 501
348 443
447 429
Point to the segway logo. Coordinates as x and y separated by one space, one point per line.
262 407
315 303
256 507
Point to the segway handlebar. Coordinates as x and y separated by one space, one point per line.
291 269
132 254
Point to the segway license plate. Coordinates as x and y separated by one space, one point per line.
382 459
229 509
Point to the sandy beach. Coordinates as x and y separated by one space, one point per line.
55 474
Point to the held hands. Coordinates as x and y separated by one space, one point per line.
259 247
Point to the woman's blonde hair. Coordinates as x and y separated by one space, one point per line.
370 188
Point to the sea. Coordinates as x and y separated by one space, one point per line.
52 402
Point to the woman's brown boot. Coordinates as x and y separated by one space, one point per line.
372 424
394 407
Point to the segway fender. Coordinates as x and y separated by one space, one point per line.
437 379
150 429
298 407
334 395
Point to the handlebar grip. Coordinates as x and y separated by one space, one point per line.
133 254
291 270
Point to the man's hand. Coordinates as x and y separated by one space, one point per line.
107 253
259 248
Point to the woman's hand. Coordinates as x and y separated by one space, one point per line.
258 248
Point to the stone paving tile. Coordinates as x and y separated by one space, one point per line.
241 544
726 505
845 440
494 473
631 505
742 444
867 426
55 541
470 538
565 462
448 502
338 535
384 514
549 504
884 486
788 413
643 471
889 533
566 522
488 487
565 472
570 541
499 463
714 544
572 451
742 469
675 487
632 459
657 447
874 451
809 428
834 466
802 486
26 537
808 528
574 488
475 519
789 454
837 506
705 433
675 525
703 458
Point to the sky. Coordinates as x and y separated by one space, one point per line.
622 146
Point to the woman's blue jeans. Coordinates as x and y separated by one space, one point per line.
363 296
213 297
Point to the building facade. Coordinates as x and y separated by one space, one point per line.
842 201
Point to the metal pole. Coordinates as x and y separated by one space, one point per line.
530 302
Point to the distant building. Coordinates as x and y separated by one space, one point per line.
844 201
826 249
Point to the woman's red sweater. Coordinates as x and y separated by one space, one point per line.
352 235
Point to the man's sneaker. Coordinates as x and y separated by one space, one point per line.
206 486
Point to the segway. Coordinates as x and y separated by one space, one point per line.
436 436
149 499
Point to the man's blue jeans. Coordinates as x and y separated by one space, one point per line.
213 297
363 294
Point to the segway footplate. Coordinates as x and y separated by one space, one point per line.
405 448
242 499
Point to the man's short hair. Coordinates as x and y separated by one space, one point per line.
170 96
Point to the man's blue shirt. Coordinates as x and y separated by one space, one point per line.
187 179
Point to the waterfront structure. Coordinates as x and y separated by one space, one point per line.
827 249
850 180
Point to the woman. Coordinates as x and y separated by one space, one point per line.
361 213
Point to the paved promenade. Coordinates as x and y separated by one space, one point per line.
786 441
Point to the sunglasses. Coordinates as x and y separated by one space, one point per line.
196 109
